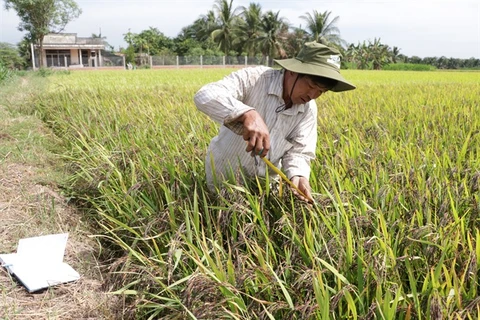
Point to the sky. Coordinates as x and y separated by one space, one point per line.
424 28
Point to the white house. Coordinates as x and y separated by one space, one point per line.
68 50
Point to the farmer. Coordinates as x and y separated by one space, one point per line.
270 113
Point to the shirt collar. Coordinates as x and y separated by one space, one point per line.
276 88
276 85
295 109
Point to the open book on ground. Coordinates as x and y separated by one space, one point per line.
38 262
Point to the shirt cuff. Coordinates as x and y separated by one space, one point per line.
231 121
297 167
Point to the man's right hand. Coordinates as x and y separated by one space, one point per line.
255 131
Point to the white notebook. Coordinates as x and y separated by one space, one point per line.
38 262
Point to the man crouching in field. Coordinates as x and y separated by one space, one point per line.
274 111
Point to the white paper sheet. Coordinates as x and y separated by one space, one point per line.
38 262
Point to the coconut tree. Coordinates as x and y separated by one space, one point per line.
395 54
202 28
249 28
294 41
320 25
270 42
227 18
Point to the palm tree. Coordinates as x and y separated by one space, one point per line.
294 41
270 42
227 18
395 54
201 30
103 39
319 26
129 38
249 28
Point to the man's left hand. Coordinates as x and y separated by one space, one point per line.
303 185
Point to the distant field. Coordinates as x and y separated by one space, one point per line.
394 233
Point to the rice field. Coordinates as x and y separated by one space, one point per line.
394 232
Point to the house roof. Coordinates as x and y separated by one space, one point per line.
71 41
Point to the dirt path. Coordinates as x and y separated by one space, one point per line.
32 205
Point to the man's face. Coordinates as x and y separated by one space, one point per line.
305 90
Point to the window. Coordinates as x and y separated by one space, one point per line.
56 58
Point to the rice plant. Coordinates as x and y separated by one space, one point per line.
393 234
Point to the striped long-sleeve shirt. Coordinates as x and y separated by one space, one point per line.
293 132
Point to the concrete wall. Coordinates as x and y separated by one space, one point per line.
64 38
74 56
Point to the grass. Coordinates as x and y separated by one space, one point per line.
24 138
394 233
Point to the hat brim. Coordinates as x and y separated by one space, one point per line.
317 70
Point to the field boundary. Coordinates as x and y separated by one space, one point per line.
32 204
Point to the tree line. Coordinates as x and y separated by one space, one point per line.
226 30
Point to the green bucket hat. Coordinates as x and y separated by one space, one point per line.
319 60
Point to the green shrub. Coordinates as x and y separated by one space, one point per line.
45 72
5 73
10 56
471 69
348 65
409 67
21 73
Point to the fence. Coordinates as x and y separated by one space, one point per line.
107 60
201 61
113 61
